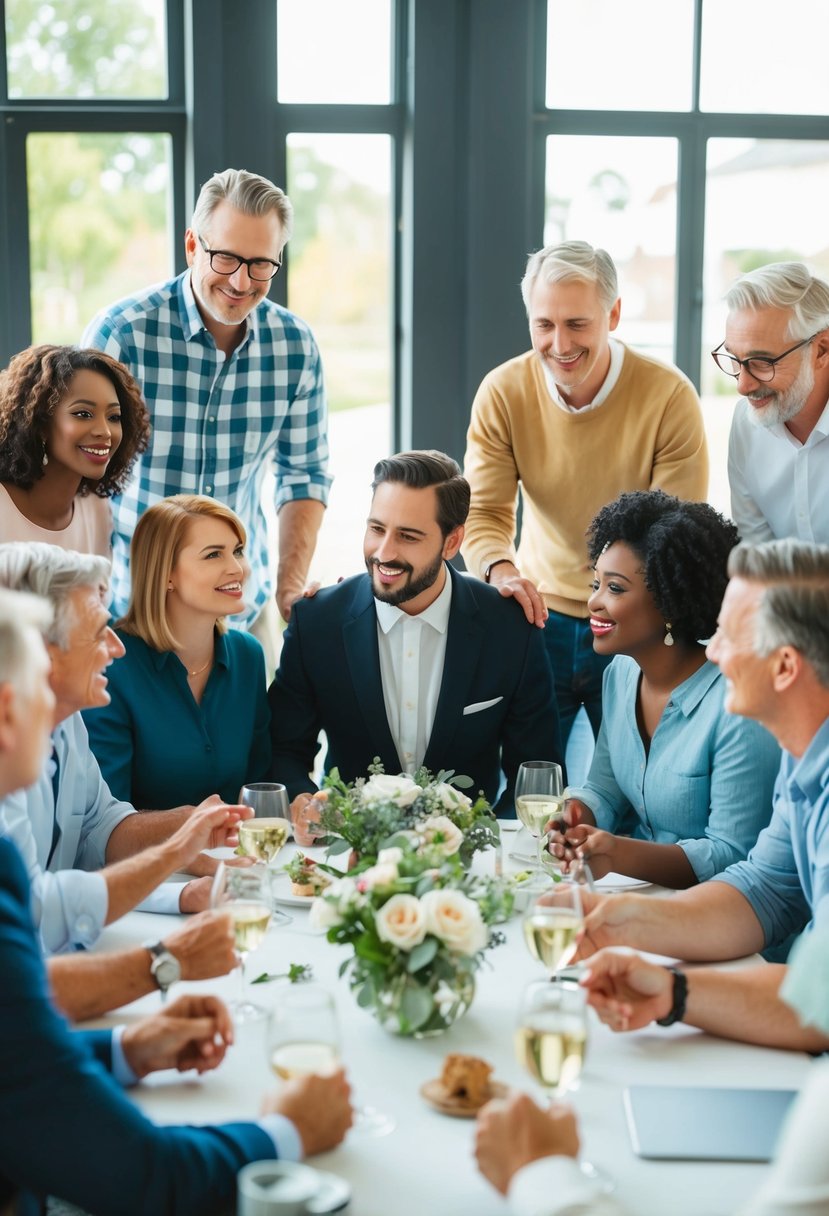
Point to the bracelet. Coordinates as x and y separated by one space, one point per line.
680 999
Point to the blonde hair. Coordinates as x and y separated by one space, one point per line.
157 541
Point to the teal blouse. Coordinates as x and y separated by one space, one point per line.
158 748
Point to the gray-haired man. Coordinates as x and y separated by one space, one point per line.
777 348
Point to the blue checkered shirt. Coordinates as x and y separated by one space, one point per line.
218 423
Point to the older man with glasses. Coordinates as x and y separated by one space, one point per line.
777 348
234 385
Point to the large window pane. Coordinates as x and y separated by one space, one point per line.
329 51
99 227
340 281
766 201
86 48
603 55
759 56
620 194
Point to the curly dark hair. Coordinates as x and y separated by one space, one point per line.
31 388
683 547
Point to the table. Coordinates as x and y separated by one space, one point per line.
426 1164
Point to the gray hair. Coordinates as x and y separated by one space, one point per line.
22 618
572 260
784 285
52 573
794 608
248 193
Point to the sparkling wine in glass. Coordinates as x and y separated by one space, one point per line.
551 925
539 797
246 896
303 1037
263 836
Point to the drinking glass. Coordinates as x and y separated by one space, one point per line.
303 1036
264 835
551 924
246 895
538 798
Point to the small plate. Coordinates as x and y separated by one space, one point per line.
334 1197
281 892
434 1092
619 882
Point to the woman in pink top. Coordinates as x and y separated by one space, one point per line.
72 422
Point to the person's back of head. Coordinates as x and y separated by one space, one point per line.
784 285
568 262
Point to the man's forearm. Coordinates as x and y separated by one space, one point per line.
87 985
299 524
712 922
746 1005
137 832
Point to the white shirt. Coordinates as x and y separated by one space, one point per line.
412 650
779 486
617 358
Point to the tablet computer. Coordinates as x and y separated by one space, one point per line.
670 1122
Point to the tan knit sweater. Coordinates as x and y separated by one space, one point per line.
648 434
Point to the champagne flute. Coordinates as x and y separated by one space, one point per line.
551 925
264 835
538 798
246 895
303 1036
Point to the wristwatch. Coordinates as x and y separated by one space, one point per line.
499 561
164 966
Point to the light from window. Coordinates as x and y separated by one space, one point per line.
332 52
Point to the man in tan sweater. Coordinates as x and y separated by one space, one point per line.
575 421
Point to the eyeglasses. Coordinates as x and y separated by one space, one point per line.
758 367
259 269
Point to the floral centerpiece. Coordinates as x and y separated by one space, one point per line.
419 925
369 814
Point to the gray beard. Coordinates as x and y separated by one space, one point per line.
787 405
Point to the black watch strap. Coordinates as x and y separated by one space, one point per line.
499 561
677 1011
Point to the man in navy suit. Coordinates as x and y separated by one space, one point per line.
411 661
65 1127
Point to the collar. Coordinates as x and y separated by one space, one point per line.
687 695
809 775
161 658
436 615
617 358
192 323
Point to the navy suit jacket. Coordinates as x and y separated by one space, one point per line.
329 679
66 1128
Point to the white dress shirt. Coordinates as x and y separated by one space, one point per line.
617 358
779 486
412 650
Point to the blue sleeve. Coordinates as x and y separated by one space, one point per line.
58 1105
302 450
601 790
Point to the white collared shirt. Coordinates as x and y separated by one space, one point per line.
412 650
617 358
779 486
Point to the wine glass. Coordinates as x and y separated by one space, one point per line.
246 896
551 925
264 835
538 798
303 1037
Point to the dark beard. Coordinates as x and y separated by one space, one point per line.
411 589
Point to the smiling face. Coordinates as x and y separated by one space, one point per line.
623 617
209 572
77 676
570 328
765 332
226 299
85 428
404 547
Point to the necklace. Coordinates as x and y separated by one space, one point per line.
199 670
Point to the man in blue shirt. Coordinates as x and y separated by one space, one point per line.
234 386
59 1091
772 644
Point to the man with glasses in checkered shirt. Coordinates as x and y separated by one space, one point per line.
777 348
234 386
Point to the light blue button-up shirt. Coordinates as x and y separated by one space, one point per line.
706 783
785 877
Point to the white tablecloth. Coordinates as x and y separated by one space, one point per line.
426 1164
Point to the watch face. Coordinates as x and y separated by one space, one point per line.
166 970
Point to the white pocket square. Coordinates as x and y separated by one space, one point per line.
479 705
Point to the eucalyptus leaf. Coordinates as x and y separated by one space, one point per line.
366 995
339 846
422 955
416 1005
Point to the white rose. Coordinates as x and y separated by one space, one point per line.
392 857
327 910
381 787
449 797
381 875
440 833
455 920
401 922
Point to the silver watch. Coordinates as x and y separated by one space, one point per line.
164 966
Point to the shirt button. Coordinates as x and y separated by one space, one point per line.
208 489
409 705
212 418
208 747
83 926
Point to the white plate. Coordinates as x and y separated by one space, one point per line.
282 893
619 882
